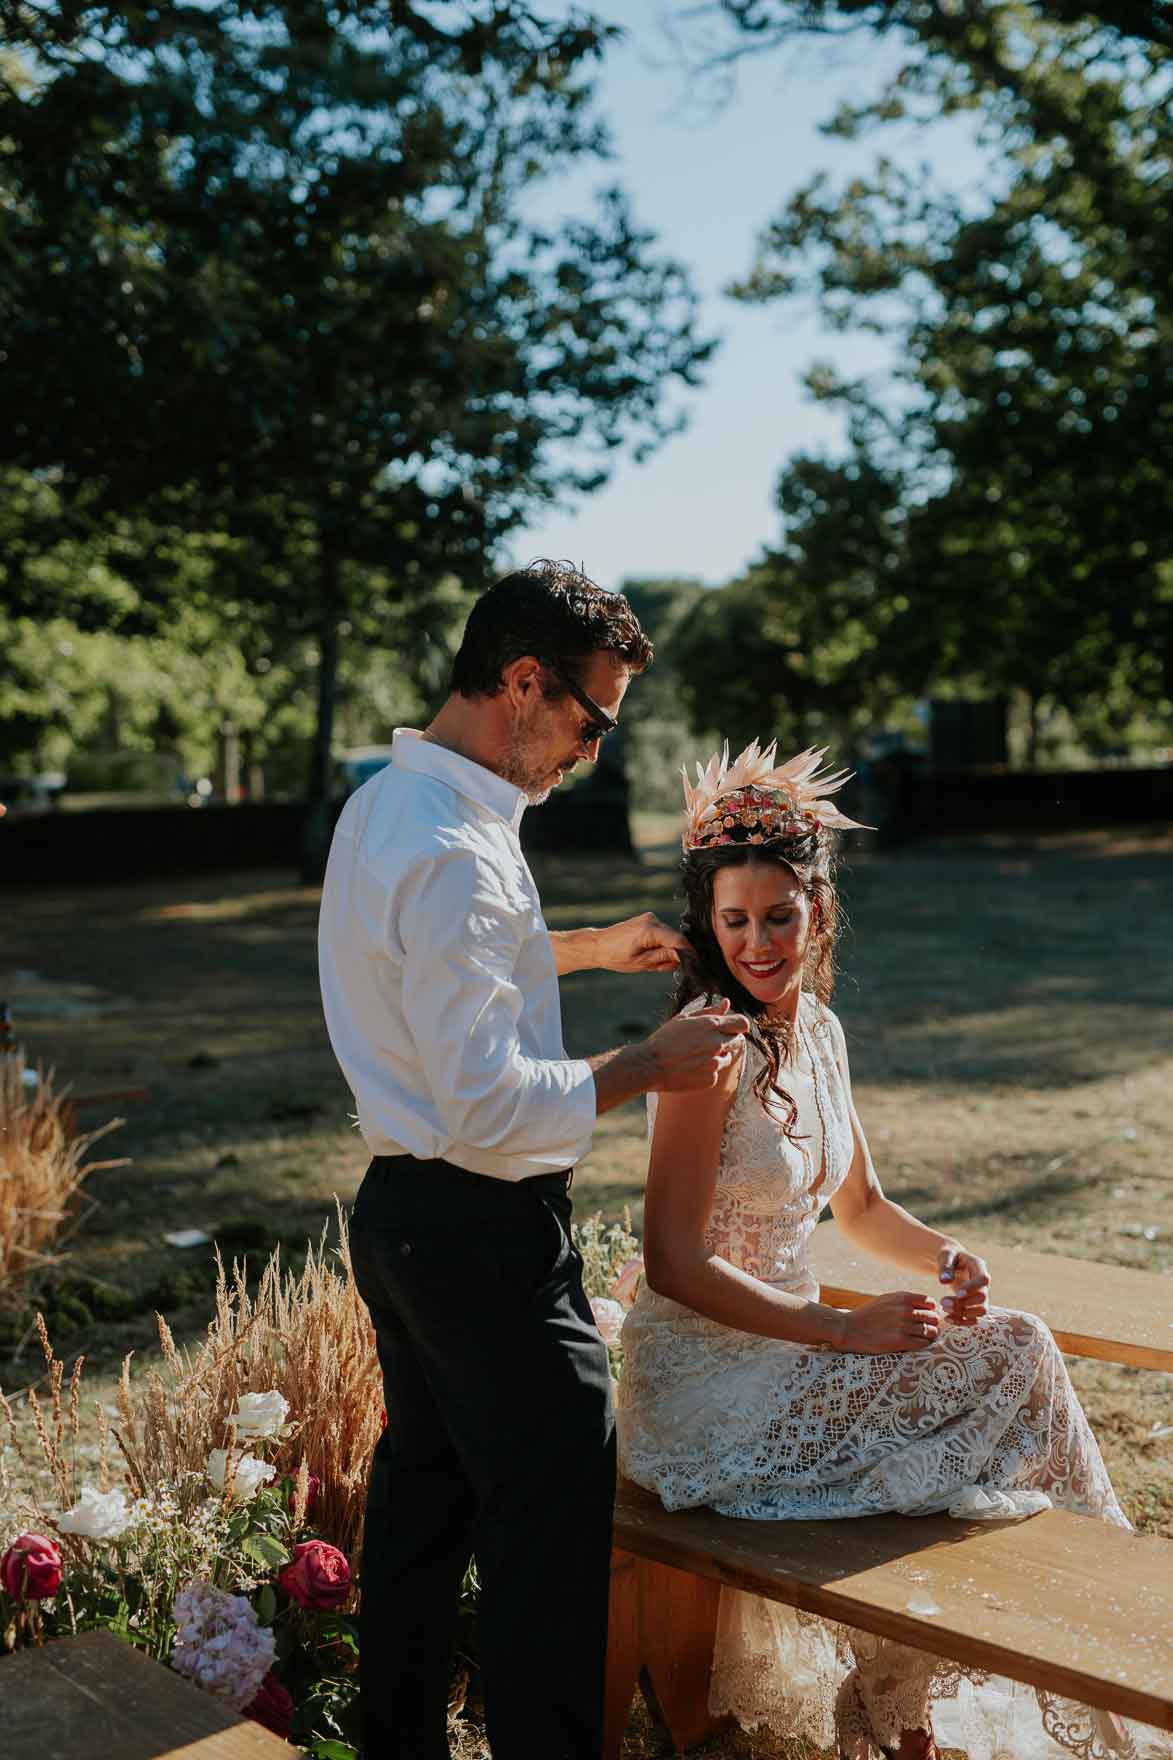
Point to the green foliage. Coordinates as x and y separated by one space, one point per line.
1009 508
268 277
658 733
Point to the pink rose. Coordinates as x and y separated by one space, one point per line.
625 1285
318 1576
608 1318
272 1707
31 1568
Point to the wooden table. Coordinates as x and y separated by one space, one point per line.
1107 1311
94 1698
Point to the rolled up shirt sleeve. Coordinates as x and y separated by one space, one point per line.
459 936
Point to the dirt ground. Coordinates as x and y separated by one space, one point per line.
1007 1004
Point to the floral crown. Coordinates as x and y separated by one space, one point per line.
753 799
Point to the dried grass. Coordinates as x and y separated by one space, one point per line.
308 1336
56 1421
42 1168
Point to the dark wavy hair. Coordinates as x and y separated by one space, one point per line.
554 612
703 970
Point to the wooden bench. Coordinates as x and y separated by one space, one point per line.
94 1698
1060 1601
1107 1311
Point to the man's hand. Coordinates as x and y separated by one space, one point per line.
689 1051
639 944
692 1050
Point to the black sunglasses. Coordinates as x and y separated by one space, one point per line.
600 723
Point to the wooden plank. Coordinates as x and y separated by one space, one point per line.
678 1629
1107 1311
1060 1601
94 1698
623 1651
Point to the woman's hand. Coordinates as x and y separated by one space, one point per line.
899 1322
968 1282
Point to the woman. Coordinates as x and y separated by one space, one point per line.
742 1391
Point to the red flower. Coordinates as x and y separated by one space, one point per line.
31 1568
315 1485
272 1707
318 1576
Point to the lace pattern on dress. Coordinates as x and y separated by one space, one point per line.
760 1428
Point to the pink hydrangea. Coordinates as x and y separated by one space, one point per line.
220 1645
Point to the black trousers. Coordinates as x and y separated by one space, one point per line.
499 1441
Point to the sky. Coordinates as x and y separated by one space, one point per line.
706 176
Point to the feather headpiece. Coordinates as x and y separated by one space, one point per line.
759 799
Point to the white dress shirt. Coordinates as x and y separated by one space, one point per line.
438 978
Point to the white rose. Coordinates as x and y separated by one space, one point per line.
260 1414
608 1318
99 1515
251 1473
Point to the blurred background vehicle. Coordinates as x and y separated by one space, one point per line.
32 794
357 765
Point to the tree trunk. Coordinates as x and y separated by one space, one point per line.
1032 732
319 814
228 763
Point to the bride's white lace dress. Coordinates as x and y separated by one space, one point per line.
760 1428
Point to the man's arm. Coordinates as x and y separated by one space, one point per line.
638 944
689 1051
458 951
456 938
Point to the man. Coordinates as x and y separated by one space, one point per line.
439 982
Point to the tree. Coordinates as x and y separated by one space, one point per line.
1029 412
657 735
950 26
287 244
810 645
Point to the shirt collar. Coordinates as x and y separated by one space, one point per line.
411 751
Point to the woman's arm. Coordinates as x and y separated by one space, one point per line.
888 1231
682 1178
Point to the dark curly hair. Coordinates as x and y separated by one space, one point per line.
703 970
555 613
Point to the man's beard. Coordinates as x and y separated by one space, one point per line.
519 766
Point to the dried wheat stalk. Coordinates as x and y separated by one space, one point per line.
42 1168
310 1337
